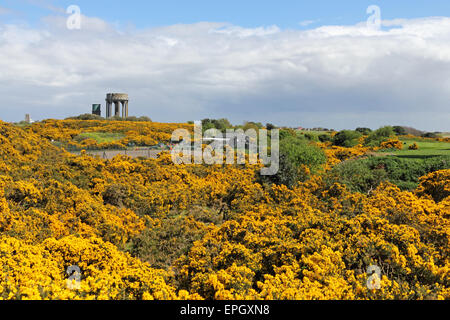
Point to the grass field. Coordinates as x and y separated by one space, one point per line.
101 137
427 149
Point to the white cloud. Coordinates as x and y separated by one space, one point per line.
306 23
333 76
240 32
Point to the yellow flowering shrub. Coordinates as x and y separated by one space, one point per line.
150 229
337 154
392 144
414 146
134 133
435 184
40 271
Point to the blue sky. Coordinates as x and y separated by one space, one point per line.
245 13
294 63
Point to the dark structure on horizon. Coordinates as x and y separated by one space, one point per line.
97 109
119 100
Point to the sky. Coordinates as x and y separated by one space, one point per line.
291 63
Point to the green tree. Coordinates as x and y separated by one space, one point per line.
378 136
400 131
346 138
301 152
220 124
364 131
252 125
287 173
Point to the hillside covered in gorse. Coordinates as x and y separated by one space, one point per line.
149 229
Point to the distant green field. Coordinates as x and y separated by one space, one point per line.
22 124
427 149
100 137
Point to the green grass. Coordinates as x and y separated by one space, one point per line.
427 149
101 137
315 134
22 124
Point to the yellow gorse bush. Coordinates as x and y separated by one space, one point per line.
392 144
137 133
150 229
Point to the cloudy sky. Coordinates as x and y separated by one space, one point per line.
295 63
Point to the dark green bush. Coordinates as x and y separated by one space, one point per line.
400 131
430 135
364 131
295 152
287 174
346 138
324 138
116 194
162 245
362 175
301 152
379 136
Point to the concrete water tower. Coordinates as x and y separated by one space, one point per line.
119 100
